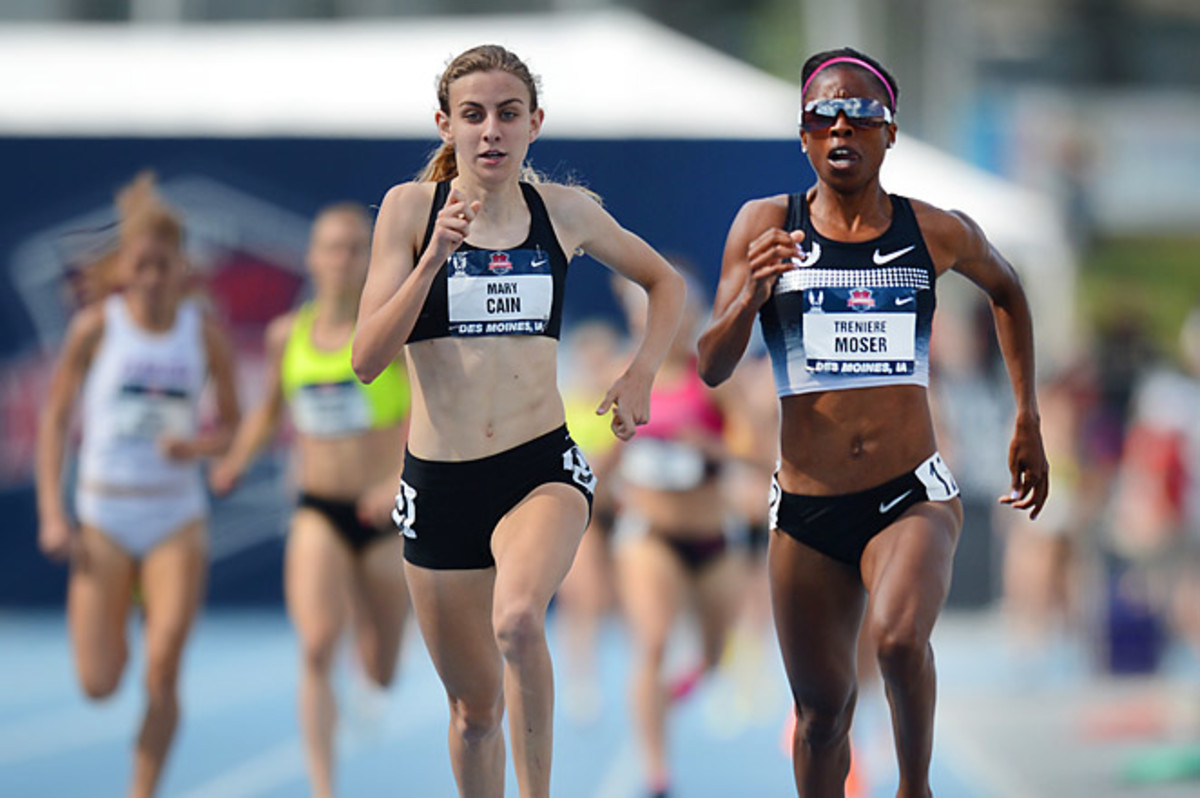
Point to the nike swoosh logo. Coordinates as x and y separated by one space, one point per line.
885 506
538 263
904 300
881 259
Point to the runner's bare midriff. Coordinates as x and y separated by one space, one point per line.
695 513
475 397
342 467
838 442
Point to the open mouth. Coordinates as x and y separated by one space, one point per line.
492 155
843 156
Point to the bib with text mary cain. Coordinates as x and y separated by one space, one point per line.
497 293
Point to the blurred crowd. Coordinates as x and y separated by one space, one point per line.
1114 561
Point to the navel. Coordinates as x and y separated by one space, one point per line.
856 447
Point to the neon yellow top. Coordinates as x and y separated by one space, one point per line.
591 432
326 397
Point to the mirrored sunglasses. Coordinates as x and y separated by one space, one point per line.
861 112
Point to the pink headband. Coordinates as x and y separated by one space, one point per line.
858 62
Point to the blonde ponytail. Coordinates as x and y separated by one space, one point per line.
441 165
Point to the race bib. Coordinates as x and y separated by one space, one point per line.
662 465
331 409
936 477
855 331
150 413
499 293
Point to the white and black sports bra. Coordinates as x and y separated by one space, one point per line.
853 315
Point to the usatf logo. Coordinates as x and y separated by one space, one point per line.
861 299
499 264
459 261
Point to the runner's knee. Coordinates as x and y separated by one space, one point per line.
900 649
824 721
476 721
520 627
162 669
317 649
379 665
101 680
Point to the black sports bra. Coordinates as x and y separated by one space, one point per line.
479 292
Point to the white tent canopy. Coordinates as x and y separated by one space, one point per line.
608 74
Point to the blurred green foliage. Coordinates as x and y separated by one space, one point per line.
775 39
1153 279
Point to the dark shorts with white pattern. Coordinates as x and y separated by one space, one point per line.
447 510
841 526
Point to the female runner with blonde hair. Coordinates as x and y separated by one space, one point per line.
141 357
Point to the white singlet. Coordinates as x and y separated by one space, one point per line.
142 386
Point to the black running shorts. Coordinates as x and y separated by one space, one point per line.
842 526
447 510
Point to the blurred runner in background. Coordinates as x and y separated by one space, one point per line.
343 564
141 357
